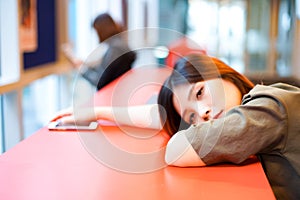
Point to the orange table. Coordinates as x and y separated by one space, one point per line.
118 162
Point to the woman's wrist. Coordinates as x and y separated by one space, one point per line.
103 112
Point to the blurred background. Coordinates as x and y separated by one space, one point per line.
259 38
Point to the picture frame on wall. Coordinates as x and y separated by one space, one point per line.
28 25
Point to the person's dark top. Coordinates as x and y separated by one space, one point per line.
117 60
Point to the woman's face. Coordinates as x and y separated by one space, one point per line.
205 100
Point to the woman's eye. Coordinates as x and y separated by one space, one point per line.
192 118
199 92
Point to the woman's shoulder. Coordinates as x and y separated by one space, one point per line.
280 91
275 88
285 86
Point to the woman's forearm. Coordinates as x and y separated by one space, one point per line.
140 116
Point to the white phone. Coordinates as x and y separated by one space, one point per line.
57 125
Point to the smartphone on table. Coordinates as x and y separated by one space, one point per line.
58 125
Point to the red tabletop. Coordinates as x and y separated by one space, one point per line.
118 162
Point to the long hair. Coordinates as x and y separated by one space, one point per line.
105 26
192 69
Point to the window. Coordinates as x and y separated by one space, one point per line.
285 37
253 36
38 110
258 43
223 35
9 46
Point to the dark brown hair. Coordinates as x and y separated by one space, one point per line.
105 26
191 69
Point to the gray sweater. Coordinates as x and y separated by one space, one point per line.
267 124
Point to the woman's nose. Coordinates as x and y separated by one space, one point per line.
204 112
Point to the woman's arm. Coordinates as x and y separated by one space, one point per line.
245 131
70 55
139 116
145 116
179 152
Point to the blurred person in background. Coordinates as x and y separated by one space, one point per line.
114 57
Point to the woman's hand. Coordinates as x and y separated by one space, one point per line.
62 114
78 115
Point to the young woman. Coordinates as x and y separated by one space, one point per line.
231 121
214 115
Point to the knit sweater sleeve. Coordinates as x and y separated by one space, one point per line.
258 126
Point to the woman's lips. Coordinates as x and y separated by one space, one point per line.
218 115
